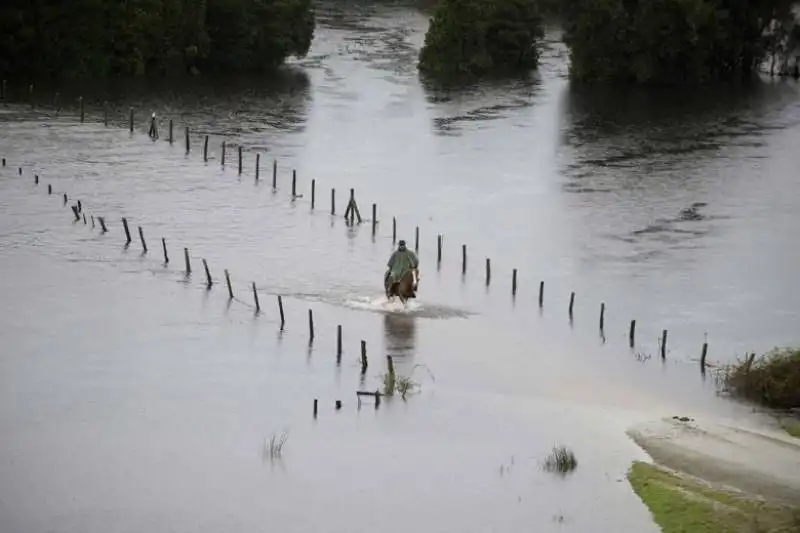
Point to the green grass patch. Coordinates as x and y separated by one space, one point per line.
681 504
791 426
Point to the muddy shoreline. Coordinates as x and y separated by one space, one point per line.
758 462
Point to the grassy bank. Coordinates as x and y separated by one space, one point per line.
681 504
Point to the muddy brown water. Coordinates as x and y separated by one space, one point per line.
131 397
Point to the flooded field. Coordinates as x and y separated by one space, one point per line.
133 398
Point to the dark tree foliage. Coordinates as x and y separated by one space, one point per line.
669 41
95 38
475 38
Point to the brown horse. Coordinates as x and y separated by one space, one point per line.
406 288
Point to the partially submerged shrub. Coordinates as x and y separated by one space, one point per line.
561 459
772 380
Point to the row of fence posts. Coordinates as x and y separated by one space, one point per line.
352 213
79 214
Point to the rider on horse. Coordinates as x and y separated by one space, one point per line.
401 261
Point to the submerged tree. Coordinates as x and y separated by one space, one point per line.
670 41
79 38
474 38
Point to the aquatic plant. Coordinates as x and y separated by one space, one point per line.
403 385
274 447
771 380
561 459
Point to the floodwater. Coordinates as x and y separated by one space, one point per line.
133 399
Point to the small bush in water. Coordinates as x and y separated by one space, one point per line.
561 459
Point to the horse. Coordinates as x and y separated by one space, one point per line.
406 288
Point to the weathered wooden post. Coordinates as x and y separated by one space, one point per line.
439 248
205 149
80 105
338 405
164 246
171 137
488 271
186 260
255 297
258 165
84 219
19 171
541 293
49 189
394 230
602 316
363 357
65 199
315 407
93 222
664 344
228 282
333 201
75 212
127 231
338 344
313 193
374 218
294 183
274 173
571 302
416 239
186 137
703 355
141 237
209 282
36 179
280 310
222 158
80 206
310 326
4 161
102 221
240 159
130 120
632 333
514 282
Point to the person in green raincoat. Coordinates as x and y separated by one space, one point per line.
401 261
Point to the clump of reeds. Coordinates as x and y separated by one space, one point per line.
561 460
274 446
403 385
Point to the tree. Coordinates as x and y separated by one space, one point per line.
83 38
476 38
670 41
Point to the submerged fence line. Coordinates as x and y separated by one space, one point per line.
352 214
79 210
79 213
